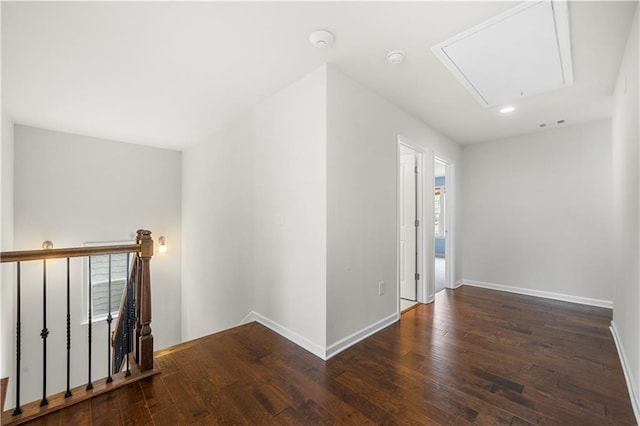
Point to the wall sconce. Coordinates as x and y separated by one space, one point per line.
47 245
162 244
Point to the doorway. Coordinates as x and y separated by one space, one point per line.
440 223
442 259
410 208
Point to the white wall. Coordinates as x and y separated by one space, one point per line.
537 211
7 344
626 209
314 168
217 227
254 209
290 207
361 201
74 189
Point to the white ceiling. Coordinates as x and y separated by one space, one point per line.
521 52
170 74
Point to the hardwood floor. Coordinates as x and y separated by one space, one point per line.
474 357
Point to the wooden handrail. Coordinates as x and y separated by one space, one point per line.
61 253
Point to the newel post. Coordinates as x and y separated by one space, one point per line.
145 339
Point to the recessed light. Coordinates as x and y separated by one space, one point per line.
395 57
321 39
507 110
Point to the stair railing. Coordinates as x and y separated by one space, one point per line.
133 324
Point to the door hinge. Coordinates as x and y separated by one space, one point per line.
416 169
417 276
417 222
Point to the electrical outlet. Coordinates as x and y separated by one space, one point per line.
381 288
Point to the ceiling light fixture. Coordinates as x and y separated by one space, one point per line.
507 109
321 39
395 57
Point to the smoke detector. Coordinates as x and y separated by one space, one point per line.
321 39
395 57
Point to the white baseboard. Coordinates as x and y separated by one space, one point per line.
457 284
635 402
296 338
538 293
362 334
314 348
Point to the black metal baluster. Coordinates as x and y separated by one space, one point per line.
18 409
44 334
109 319
68 393
127 320
89 384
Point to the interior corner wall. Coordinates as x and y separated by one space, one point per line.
537 211
7 344
362 131
73 189
217 228
254 218
290 224
626 209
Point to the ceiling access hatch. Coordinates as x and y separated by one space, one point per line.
523 51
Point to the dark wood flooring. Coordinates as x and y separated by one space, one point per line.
474 357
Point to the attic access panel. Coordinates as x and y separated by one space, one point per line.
523 51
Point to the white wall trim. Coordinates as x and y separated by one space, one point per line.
360 335
458 284
314 348
539 293
296 338
449 220
633 395
425 165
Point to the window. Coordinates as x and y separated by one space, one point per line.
99 281
438 211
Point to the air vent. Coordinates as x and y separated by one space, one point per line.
551 123
521 52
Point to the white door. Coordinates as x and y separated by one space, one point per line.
408 228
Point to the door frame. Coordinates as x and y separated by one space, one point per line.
449 219
424 161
